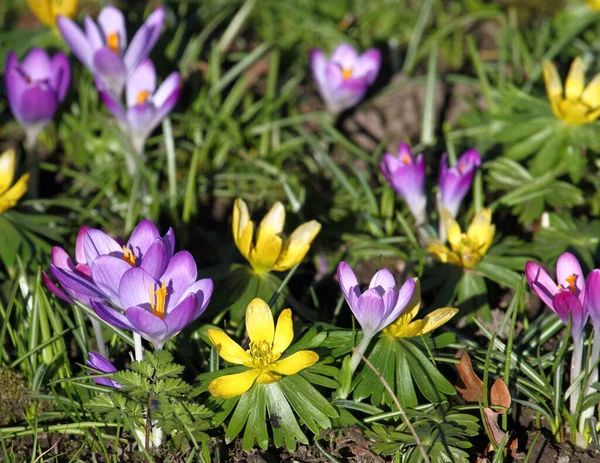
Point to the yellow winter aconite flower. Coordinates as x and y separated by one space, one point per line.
577 104
269 251
467 249
267 344
10 196
406 327
593 4
48 10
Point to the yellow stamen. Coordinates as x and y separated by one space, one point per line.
142 97
346 73
112 42
128 256
158 298
262 355
571 279
406 159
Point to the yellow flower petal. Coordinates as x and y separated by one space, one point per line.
268 378
591 94
7 169
297 245
554 86
242 227
273 222
481 231
284 332
410 312
12 196
575 80
295 362
453 231
266 252
429 323
64 7
227 348
259 322
233 385
43 10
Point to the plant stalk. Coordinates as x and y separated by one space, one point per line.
592 378
359 352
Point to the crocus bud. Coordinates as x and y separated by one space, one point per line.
406 174
99 363
343 79
456 181
35 88
146 106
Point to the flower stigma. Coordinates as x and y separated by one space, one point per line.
142 96
346 73
112 42
262 355
158 298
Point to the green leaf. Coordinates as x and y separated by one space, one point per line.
283 421
498 273
472 296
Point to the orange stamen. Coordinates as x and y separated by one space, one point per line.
571 279
112 42
158 299
128 256
346 73
142 97
406 159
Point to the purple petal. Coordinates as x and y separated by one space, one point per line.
165 93
111 20
149 326
181 316
60 75
347 94
404 296
140 119
592 297
155 259
169 240
145 39
540 283
16 84
110 70
384 279
470 159
370 311
144 234
55 289
203 290
346 278
38 104
367 65
566 302
567 267
113 105
141 81
318 64
180 274
390 302
76 40
97 243
94 36
111 316
107 272
36 65
345 56
135 287
97 362
79 252
74 282
59 258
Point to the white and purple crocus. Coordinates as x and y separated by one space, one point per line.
102 47
343 79
35 88
377 307
146 106
141 286
455 182
405 173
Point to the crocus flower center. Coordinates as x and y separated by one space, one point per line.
461 167
571 279
142 97
406 159
346 73
262 355
112 42
158 298
128 256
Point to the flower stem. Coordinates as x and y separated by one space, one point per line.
576 360
97 327
32 167
359 352
593 378
139 350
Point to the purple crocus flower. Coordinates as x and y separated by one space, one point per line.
155 308
379 305
456 181
146 106
145 249
35 88
406 174
99 363
60 259
103 49
570 295
343 79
